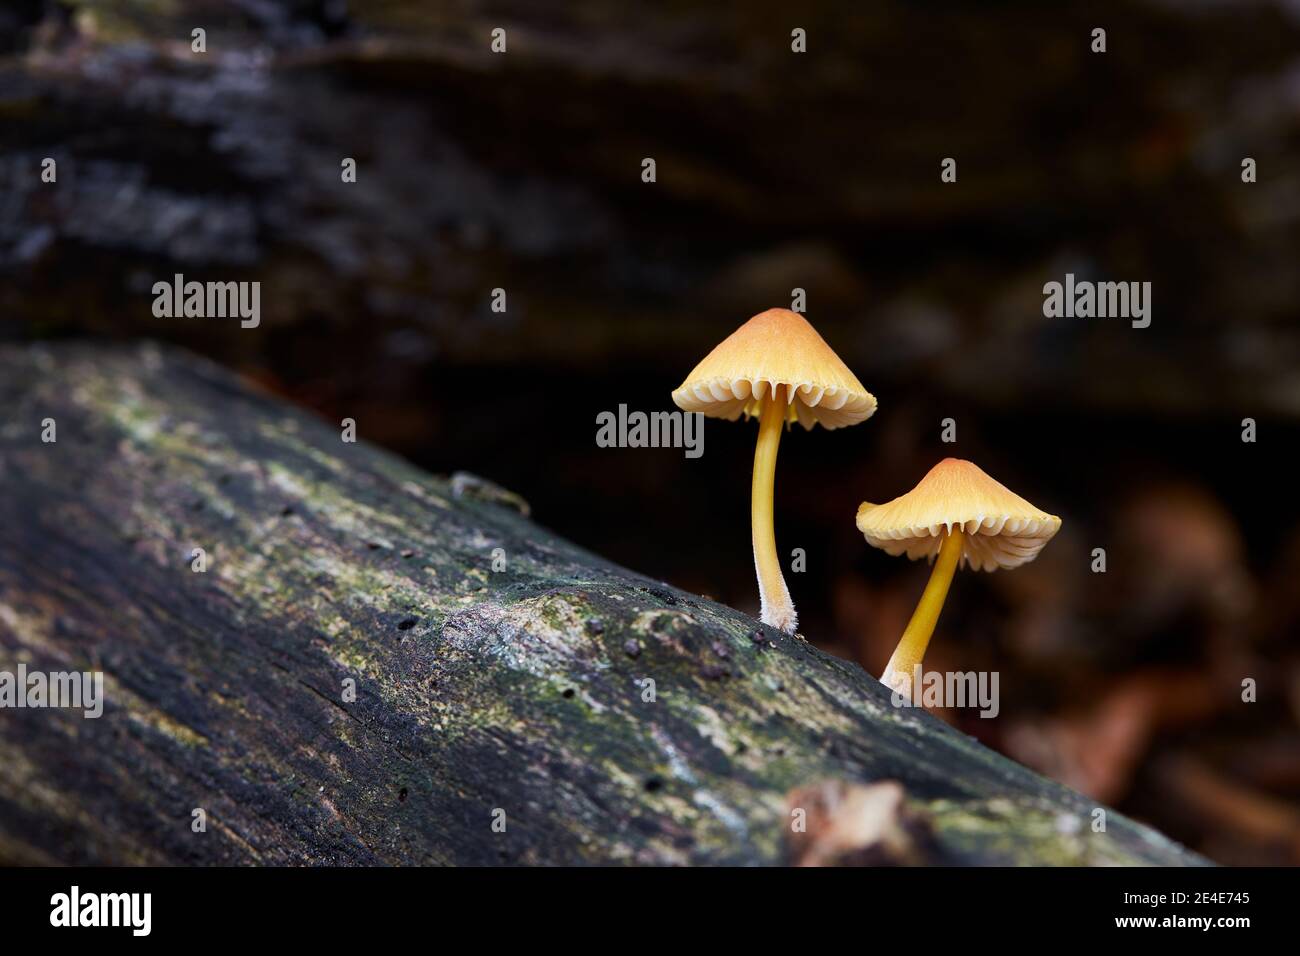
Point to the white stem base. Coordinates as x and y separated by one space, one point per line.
778 610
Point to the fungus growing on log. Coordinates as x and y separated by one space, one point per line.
955 513
775 368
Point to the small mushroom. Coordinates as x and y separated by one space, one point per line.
958 513
775 368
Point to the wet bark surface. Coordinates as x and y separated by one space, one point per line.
481 696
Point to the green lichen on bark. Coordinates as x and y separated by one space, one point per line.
519 689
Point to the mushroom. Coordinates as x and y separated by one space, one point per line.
775 368
960 514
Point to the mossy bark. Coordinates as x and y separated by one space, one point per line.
515 694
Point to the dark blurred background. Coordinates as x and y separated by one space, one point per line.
775 170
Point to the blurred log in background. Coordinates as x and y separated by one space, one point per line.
775 170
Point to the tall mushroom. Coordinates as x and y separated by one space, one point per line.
958 513
775 368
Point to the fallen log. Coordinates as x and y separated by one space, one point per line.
371 665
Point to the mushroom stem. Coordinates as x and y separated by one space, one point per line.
911 647
777 608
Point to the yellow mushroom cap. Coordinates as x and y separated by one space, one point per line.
776 347
1002 529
